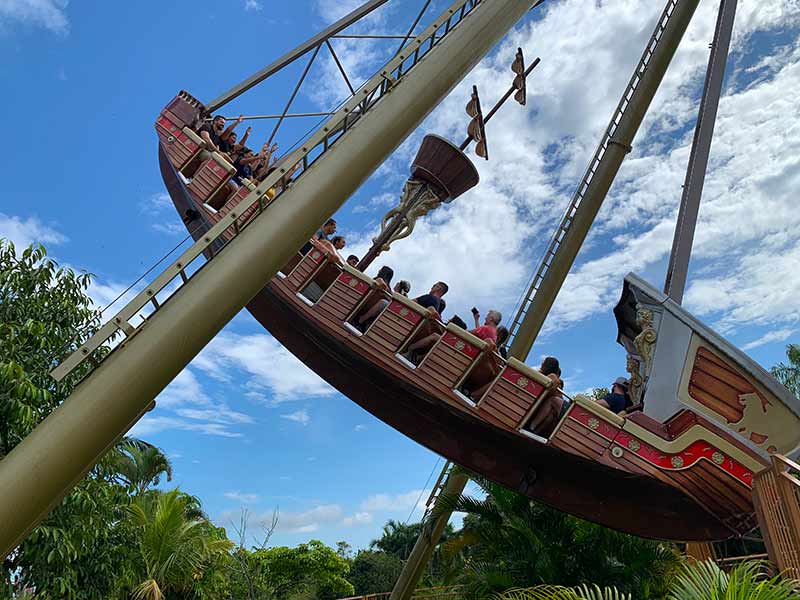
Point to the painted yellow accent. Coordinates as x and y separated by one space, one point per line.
601 411
466 336
224 162
194 137
691 435
358 274
779 424
520 366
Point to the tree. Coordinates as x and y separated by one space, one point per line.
140 465
80 550
174 547
374 572
789 374
509 541
398 538
311 570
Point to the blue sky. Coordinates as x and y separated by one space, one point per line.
246 424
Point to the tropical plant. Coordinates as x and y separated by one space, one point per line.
140 465
173 548
81 549
748 581
557 592
508 541
789 373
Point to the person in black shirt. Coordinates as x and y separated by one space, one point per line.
216 135
433 302
244 165
433 299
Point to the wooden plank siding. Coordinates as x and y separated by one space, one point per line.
718 385
507 402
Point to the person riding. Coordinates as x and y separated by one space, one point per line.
546 417
352 260
617 399
487 331
323 233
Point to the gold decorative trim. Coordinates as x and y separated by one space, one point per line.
634 445
677 462
718 458
617 452
523 382
593 423
404 312
460 345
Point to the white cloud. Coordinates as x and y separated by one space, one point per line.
360 428
779 335
184 405
22 232
244 498
252 5
309 520
48 14
272 368
300 416
160 208
487 242
394 502
359 518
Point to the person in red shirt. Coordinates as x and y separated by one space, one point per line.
487 331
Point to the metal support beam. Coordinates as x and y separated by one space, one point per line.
341 68
428 539
294 54
294 94
42 468
678 268
602 170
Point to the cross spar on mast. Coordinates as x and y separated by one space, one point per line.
42 468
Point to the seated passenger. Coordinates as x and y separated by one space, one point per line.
328 229
244 165
546 417
364 321
487 331
502 336
433 300
352 260
618 399
435 304
210 133
338 242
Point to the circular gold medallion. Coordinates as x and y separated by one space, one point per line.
522 382
634 445
617 452
593 423
353 282
677 462
460 345
404 312
718 457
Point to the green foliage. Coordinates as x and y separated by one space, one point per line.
373 572
139 465
748 581
43 311
397 538
174 546
311 570
599 393
509 541
789 373
556 592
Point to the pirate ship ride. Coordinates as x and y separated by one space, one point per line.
680 466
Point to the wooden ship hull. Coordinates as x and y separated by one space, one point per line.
682 477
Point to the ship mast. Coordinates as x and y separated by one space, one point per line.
698 159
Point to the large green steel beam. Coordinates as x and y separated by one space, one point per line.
597 189
46 464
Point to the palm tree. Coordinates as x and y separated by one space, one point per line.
789 374
508 541
696 581
748 581
139 465
173 548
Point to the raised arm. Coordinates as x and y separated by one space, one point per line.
224 135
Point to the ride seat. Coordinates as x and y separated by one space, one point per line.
209 183
452 356
515 395
182 145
